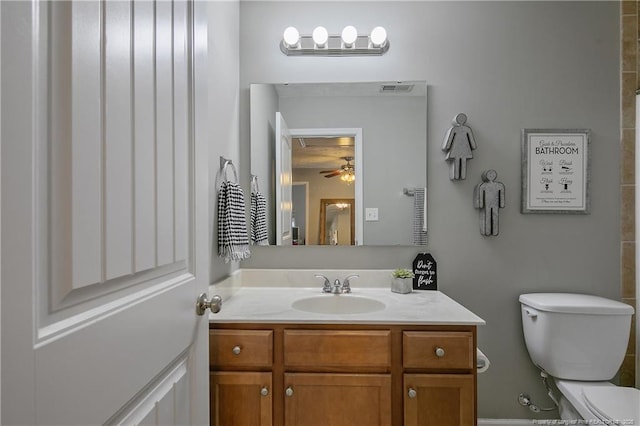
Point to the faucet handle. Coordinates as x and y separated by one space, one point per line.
327 284
346 284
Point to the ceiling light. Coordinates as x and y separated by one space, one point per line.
348 177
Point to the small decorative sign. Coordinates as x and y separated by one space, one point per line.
425 273
458 144
555 171
489 196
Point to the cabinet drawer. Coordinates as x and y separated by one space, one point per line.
315 349
240 348
438 349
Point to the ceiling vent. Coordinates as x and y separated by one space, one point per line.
396 88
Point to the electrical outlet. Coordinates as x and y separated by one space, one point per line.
371 214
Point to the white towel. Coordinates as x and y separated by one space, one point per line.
259 235
420 216
233 241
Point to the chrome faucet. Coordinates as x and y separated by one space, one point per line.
346 284
336 288
327 284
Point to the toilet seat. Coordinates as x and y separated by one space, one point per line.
586 396
613 405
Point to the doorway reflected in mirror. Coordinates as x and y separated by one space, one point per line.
337 222
323 168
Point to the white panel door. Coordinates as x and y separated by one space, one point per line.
284 182
104 212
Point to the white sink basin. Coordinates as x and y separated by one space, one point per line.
338 304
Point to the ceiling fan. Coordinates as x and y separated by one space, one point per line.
346 169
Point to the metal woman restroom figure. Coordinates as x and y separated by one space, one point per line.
488 196
458 145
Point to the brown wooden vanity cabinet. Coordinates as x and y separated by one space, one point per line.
439 399
435 399
240 384
342 375
321 399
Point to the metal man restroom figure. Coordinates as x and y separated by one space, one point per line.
458 145
489 197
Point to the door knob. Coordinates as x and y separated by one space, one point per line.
289 391
203 303
264 391
412 393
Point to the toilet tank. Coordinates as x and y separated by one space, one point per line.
575 336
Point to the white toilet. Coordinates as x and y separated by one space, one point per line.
580 340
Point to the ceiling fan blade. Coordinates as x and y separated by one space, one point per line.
335 173
329 171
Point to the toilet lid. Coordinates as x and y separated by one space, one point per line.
617 405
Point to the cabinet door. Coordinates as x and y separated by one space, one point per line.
337 399
241 399
439 400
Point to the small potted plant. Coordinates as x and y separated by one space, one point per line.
402 281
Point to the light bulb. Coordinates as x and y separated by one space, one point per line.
378 36
291 37
349 35
320 36
348 177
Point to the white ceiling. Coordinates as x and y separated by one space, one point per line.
323 153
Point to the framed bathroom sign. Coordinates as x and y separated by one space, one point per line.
556 171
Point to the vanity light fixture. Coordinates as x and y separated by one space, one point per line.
321 43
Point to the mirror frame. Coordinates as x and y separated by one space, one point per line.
324 202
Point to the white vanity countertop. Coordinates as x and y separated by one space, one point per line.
273 305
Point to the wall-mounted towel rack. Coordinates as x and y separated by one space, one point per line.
420 214
224 162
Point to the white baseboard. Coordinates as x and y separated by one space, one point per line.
504 422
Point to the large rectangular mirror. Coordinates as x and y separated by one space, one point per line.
364 142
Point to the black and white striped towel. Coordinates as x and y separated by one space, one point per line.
233 241
259 235
420 217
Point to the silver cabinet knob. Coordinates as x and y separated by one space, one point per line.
236 350
439 352
289 391
264 391
412 393
202 304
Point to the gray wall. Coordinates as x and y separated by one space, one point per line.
262 147
508 66
299 198
224 19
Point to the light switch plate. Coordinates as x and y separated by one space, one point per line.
371 214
